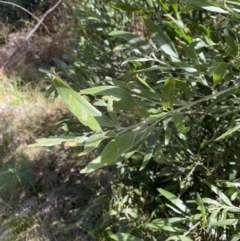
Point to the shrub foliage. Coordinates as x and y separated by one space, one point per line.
161 104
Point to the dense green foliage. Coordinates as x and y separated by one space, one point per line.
166 117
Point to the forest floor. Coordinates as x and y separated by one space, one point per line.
43 196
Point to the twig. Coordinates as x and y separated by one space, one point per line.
31 32
193 227
24 9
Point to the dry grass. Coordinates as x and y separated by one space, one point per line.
42 194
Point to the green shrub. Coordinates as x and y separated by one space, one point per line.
169 122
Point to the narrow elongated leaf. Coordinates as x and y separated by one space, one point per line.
179 122
219 98
218 70
152 68
52 141
232 46
168 92
226 222
162 39
185 88
111 112
229 132
120 147
179 238
123 237
127 8
214 215
150 149
202 209
193 56
168 134
144 83
221 195
207 6
83 116
174 200
92 143
235 237
123 99
65 92
134 40
138 59
115 150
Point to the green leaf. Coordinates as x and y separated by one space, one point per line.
127 8
115 150
221 195
185 88
229 132
179 237
207 6
131 212
162 40
122 100
174 200
219 98
226 222
152 68
92 143
202 209
178 119
218 70
83 116
150 149
111 112
193 56
65 92
53 141
168 134
168 92
134 40
232 47
144 83
235 237
136 59
118 148
123 237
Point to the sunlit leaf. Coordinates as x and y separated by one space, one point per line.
179 238
202 209
206 5
65 92
123 237
52 141
221 195
174 200
133 40
226 222
122 100
162 39
92 143
229 132
168 92
179 122
218 70
83 116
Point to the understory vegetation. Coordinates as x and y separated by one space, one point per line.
123 124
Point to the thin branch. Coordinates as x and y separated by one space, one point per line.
25 10
41 20
31 32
